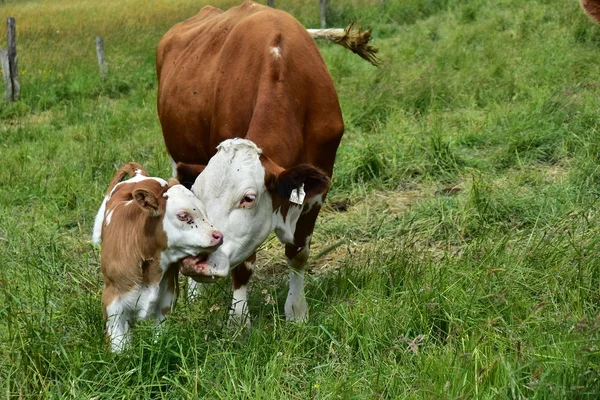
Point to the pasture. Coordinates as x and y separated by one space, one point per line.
457 255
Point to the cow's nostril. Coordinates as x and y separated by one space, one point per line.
218 236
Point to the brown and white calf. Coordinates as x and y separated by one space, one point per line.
245 98
147 226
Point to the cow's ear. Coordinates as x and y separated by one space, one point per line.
147 201
314 181
187 173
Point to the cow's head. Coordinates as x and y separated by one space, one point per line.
245 194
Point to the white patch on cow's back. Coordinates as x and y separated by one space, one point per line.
275 51
97 232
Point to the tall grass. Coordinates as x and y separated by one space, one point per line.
457 256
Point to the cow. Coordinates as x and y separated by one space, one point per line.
147 226
592 8
252 122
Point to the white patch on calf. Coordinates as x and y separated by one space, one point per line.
185 238
141 302
100 216
138 178
109 216
97 233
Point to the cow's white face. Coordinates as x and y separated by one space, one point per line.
232 188
239 188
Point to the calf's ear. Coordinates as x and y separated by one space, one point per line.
147 201
315 181
187 173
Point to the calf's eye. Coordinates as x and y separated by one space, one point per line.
183 216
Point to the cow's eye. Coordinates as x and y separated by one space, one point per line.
248 200
183 216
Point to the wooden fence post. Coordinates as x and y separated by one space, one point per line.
101 61
8 59
323 4
11 36
271 3
6 75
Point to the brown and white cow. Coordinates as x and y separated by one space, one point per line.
592 8
146 226
245 98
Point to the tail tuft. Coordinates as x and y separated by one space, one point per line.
357 40
353 38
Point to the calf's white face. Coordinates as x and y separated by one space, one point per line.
189 232
232 188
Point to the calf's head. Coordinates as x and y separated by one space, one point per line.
244 192
190 237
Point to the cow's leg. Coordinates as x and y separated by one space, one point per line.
240 276
296 255
296 308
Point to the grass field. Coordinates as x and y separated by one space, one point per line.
458 256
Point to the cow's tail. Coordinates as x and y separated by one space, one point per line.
353 38
130 169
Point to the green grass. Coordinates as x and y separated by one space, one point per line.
466 263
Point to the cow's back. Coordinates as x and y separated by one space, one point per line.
251 72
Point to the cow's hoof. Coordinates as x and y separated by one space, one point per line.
237 321
296 311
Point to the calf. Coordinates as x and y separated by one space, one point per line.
147 227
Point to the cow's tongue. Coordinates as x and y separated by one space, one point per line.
193 265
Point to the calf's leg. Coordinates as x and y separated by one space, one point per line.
119 318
